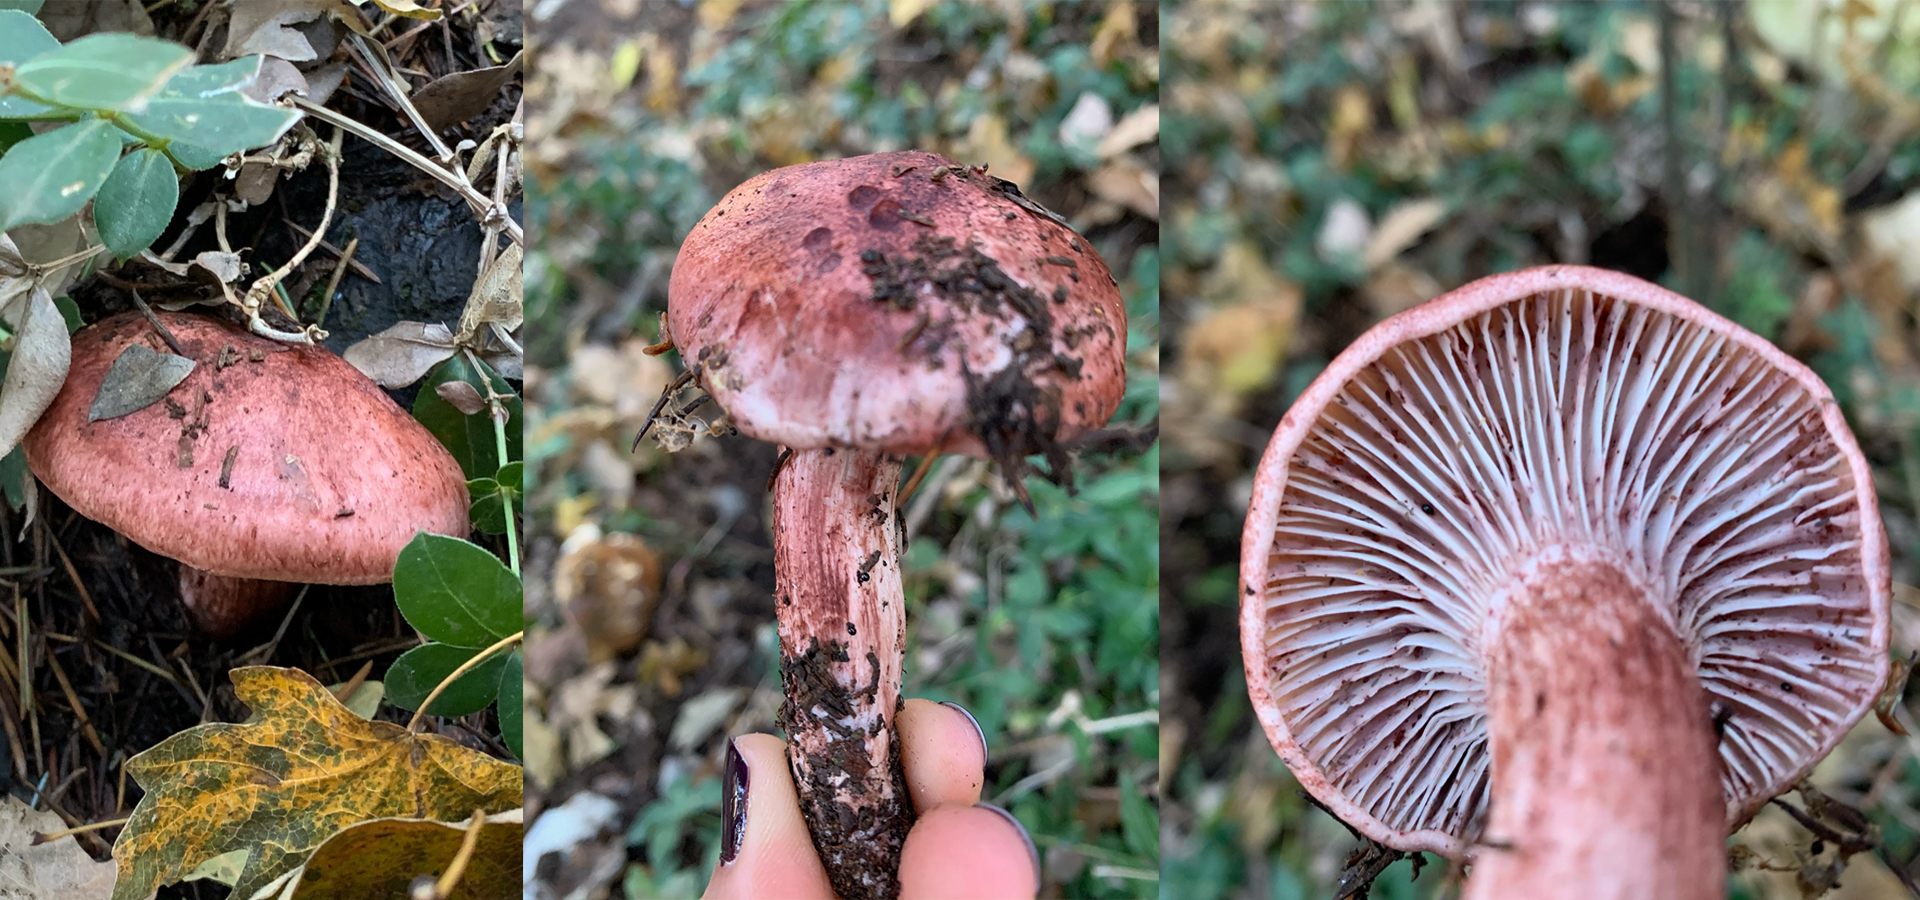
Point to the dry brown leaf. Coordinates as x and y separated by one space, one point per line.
407 8
901 13
988 144
1894 232
41 352
281 787
1396 288
1350 123
459 96
277 76
1117 31
403 353
56 870
269 27
496 297
1127 182
1400 228
1141 126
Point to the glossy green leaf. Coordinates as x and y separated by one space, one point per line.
51 176
512 696
22 38
418 671
203 106
136 202
29 7
103 71
468 438
456 592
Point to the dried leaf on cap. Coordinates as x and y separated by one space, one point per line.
403 353
138 378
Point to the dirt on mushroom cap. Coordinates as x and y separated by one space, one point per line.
272 461
894 302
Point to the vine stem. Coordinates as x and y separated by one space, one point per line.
506 500
413 724
481 204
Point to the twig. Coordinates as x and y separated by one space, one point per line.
333 282
458 867
137 661
465 667
79 712
86 599
39 838
388 80
345 257
481 204
164 335
265 651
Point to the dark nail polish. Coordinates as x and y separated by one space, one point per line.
1033 852
733 804
976 724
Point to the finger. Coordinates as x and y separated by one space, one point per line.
943 752
772 855
978 852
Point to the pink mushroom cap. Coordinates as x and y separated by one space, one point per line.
1552 412
898 302
291 466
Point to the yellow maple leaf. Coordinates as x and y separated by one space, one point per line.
283 785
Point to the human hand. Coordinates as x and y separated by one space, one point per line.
957 847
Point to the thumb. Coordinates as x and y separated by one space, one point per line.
764 847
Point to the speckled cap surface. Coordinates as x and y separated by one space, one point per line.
271 461
898 302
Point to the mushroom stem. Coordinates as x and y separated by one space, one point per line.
1605 770
222 606
836 549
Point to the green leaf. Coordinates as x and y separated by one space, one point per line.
203 106
194 157
13 477
468 438
29 7
103 71
70 311
456 592
488 513
513 700
22 38
510 476
12 133
489 510
418 671
51 176
136 203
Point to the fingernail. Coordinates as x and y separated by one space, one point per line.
982 735
1033 853
733 801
